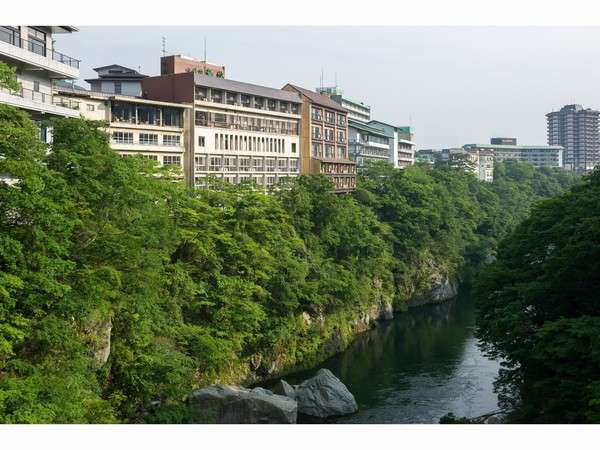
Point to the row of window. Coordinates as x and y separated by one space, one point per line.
126 137
141 114
260 180
248 101
224 141
244 164
317 133
247 123
336 168
164 160
316 113
328 151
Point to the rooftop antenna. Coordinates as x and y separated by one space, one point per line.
164 46
336 85
204 48
322 76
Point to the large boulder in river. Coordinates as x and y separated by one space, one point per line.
234 404
284 388
325 395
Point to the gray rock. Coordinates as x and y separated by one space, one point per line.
325 395
234 404
283 388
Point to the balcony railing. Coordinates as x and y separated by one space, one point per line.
37 48
247 127
148 143
28 94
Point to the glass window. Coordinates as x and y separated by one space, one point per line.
148 139
122 112
37 41
217 96
121 137
118 89
172 159
172 117
148 115
201 141
172 140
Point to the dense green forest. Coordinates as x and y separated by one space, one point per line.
539 309
121 290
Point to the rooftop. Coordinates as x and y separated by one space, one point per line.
318 99
245 88
368 129
78 91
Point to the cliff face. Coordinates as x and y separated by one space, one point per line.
321 335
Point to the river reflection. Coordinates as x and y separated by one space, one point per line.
416 368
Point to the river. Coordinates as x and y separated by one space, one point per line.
416 368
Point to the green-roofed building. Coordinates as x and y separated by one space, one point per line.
367 143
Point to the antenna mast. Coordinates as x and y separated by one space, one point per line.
164 46
204 48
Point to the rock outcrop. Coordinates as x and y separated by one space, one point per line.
237 405
325 395
442 289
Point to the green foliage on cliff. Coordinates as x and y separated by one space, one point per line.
539 309
200 286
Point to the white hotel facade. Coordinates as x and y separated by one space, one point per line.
240 131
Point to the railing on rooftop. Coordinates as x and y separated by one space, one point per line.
15 39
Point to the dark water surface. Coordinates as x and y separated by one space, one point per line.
417 368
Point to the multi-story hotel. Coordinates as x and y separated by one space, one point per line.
536 155
358 111
324 139
402 147
366 143
137 126
38 63
576 130
241 131
480 162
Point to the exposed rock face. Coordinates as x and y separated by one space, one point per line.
442 289
325 395
233 404
98 335
283 388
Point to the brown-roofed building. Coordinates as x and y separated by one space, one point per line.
240 131
180 63
324 139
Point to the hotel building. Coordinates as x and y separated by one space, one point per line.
240 131
31 50
366 143
137 126
324 139
402 147
536 155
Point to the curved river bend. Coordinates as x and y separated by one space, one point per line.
417 368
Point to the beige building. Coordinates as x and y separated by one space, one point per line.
31 50
137 126
324 139
241 131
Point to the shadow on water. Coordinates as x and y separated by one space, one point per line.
417 368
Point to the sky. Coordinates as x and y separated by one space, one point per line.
453 85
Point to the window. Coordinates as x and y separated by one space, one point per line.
328 134
293 165
121 137
37 41
148 139
201 141
10 35
329 116
118 87
215 163
172 159
316 133
172 140
293 147
317 150
270 181
152 157
36 86
341 136
216 96
122 112
341 152
341 120
316 113
148 115
201 93
257 164
91 107
244 164
200 162
282 165
172 117
229 163
329 151
270 163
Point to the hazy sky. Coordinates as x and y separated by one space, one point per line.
455 85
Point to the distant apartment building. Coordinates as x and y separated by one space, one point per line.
357 110
480 162
366 143
180 63
324 139
116 79
503 141
240 131
148 128
402 147
31 50
536 155
576 130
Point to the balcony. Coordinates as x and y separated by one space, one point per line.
36 55
37 102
